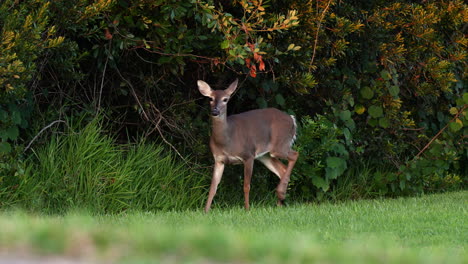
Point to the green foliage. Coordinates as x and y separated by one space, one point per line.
389 77
86 169
323 157
25 35
443 165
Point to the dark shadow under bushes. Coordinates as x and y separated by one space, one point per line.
84 168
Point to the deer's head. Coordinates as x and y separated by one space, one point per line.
218 98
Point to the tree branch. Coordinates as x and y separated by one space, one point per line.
40 132
319 24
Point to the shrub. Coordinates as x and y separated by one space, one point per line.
323 157
387 75
25 35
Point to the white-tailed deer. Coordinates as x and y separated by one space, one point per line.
263 134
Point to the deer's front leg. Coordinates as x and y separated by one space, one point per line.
217 174
248 168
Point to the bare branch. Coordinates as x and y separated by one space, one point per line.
440 132
319 24
40 132
134 95
102 86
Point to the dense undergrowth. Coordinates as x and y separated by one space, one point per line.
379 89
85 168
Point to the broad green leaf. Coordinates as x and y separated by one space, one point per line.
359 109
453 111
347 135
402 184
320 183
370 66
465 98
440 117
3 115
291 46
16 117
436 149
375 111
225 44
279 99
266 85
261 102
441 164
12 132
5 147
456 126
351 101
24 123
426 170
350 124
385 75
394 90
336 162
3 135
408 176
333 173
367 92
373 122
345 115
459 101
384 122
340 149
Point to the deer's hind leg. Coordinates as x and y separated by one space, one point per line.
274 165
282 187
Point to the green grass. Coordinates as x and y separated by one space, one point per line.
428 229
85 168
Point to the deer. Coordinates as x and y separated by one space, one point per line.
266 135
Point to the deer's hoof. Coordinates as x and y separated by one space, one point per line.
281 203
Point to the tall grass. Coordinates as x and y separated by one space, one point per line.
86 169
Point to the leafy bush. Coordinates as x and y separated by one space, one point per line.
25 35
387 77
86 169
323 157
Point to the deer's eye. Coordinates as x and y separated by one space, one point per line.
225 100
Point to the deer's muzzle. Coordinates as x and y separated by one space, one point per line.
215 111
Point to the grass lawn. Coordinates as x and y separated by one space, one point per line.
427 229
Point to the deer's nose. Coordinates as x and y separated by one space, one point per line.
215 111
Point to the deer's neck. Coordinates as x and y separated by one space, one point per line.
220 130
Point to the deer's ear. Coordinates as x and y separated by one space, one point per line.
230 90
204 88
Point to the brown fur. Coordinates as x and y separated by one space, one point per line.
265 134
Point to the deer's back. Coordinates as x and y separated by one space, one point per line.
256 132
